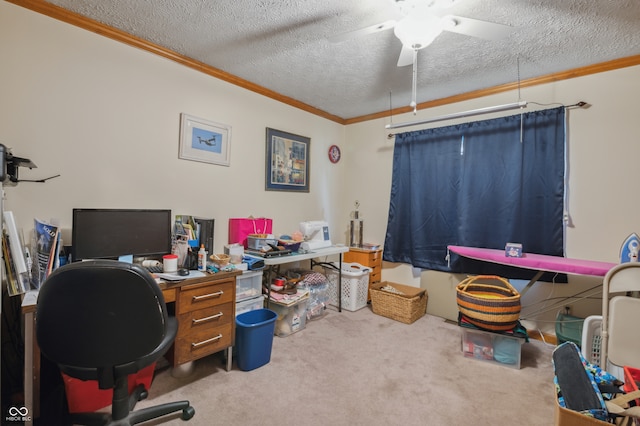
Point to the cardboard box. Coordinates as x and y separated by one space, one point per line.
566 417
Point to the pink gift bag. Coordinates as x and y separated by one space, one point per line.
240 227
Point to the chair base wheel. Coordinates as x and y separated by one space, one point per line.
188 413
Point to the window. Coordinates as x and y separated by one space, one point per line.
479 184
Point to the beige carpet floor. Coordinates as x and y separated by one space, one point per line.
359 368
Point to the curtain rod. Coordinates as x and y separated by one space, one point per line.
487 110
515 105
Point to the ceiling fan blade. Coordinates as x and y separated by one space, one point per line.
476 28
363 31
406 56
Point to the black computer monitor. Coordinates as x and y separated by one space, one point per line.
111 233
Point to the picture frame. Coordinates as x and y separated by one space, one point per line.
204 141
287 161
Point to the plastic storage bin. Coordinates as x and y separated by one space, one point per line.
248 285
318 298
249 305
254 338
569 329
492 347
355 285
257 243
291 318
318 287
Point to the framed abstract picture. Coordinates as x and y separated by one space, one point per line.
204 141
287 162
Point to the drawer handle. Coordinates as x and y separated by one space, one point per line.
212 317
204 342
206 296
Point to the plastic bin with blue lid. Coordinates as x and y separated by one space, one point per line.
254 338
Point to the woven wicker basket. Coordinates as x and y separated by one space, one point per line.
404 303
489 302
220 259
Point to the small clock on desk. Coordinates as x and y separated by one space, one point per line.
334 154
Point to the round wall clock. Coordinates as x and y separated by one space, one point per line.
334 153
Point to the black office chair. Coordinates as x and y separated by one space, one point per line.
104 320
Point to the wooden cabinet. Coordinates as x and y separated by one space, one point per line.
369 258
205 309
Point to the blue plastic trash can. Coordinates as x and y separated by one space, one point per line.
254 338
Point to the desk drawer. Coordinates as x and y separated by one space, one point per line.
205 295
202 342
169 295
375 257
366 258
205 318
375 275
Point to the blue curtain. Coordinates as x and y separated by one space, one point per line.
479 184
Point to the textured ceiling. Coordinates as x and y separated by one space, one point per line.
286 47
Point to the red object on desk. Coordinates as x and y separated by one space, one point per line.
84 396
538 262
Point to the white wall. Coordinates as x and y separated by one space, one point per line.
106 117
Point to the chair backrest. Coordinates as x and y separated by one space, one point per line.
623 346
99 315
620 315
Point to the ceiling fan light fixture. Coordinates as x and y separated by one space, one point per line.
406 6
418 32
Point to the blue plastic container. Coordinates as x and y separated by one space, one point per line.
254 338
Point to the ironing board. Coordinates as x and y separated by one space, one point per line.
537 262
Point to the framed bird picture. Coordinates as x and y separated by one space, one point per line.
204 141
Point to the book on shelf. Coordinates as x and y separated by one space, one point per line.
15 263
15 285
185 226
47 249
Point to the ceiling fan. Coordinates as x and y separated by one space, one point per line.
422 22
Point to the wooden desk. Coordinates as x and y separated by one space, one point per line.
204 306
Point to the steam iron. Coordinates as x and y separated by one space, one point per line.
629 249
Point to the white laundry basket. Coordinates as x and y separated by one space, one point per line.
592 338
355 285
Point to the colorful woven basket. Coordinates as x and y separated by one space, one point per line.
489 302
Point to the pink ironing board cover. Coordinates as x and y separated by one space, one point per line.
537 262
